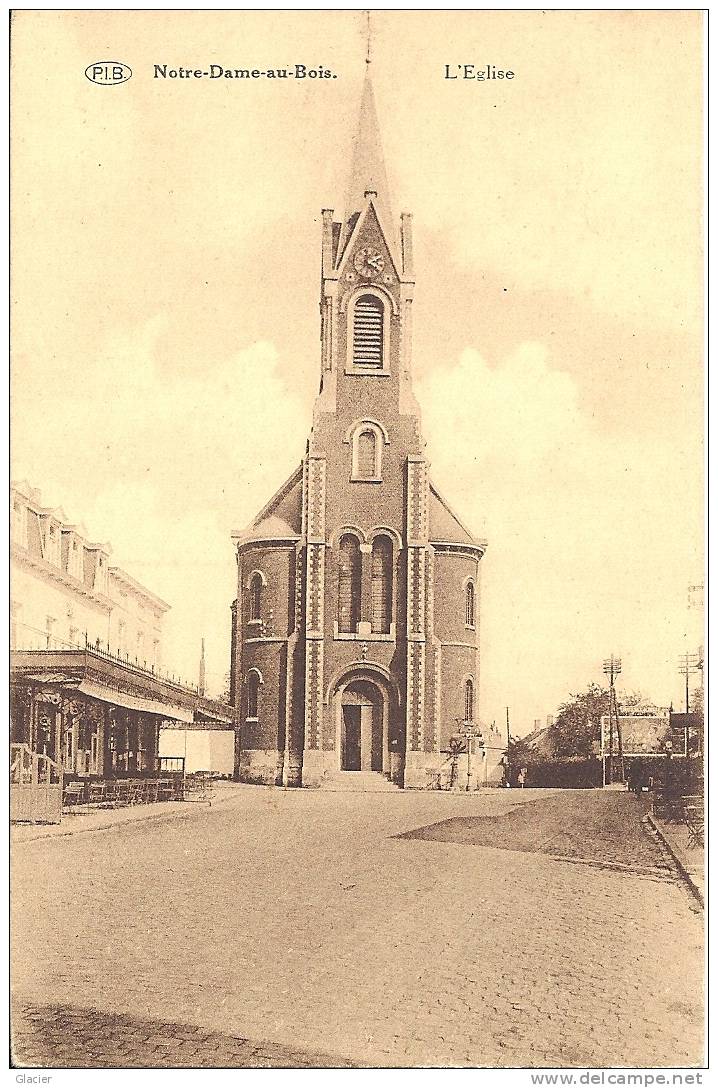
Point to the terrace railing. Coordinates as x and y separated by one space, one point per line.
25 637
36 783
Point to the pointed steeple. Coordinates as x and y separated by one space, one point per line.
368 172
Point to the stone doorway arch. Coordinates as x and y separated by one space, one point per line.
363 722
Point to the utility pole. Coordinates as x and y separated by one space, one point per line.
687 665
202 671
612 669
508 748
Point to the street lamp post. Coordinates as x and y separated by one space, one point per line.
667 770
469 731
468 764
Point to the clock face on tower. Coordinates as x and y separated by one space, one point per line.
369 262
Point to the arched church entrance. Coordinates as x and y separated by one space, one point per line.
363 727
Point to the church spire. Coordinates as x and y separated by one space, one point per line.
368 172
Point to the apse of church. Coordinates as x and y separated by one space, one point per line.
355 641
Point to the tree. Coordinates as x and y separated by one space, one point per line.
521 752
578 722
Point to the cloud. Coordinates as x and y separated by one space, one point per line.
590 544
590 549
164 467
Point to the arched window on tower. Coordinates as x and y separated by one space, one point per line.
368 439
469 701
366 455
381 585
368 341
252 683
255 596
349 590
470 604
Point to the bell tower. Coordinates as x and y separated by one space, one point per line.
343 665
366 475
367 284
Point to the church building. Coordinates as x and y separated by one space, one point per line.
355 637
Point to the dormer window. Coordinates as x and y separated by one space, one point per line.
51 544
74 562
18 523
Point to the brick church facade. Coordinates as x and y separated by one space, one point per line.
355 638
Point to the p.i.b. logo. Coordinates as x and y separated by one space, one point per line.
108 73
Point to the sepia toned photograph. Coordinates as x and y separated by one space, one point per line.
357 541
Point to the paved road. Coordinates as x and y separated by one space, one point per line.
305 928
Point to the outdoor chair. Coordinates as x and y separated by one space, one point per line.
73 795
134 792
165 789
694 818
110 794
97 793
121 792
151 790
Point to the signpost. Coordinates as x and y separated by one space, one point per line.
471 732
643 733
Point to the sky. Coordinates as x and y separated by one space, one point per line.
166 254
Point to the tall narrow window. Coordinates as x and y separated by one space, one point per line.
252 684
368 439
469 701
366 455
368 346
470 604
349 595
381 564
255 597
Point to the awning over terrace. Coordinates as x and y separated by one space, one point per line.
133 702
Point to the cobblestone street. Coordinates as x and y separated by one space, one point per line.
509 928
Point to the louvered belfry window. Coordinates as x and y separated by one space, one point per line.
369 333
349 595
381 585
